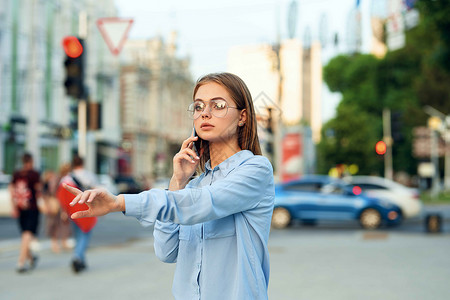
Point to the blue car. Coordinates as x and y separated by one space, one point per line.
319 197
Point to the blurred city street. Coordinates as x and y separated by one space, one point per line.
327 261
348 100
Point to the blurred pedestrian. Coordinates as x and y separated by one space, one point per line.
215 226
82 179
25 189
57 220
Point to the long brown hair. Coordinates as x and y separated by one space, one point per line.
236 87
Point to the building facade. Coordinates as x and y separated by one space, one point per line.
287 78
35 112
156 90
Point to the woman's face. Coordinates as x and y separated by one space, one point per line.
208 125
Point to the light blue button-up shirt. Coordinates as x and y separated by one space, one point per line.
216 229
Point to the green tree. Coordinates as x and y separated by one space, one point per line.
351 141
350 137
404 81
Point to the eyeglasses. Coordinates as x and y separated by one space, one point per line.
217 107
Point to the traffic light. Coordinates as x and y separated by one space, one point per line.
74 65
380 148
396 126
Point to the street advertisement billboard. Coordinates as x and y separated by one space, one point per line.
292 156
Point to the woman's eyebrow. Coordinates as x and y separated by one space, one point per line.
215 98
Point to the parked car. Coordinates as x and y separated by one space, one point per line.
406 198
317 198
127 185
5 197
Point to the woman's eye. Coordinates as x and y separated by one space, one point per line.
220 105
198 107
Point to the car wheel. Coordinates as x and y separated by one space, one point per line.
281 218
370 218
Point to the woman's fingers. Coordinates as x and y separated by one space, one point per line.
71 189
92 196
191 153
187 157
187 142
85 196
81 214
76 199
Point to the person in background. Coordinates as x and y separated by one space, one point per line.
83 180
215 226
25 189
57 220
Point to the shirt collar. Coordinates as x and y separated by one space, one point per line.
230 163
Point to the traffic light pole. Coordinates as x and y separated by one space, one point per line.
82 128
387 138
82 103
439 122
32 133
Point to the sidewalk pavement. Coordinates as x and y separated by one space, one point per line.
119 271
388 265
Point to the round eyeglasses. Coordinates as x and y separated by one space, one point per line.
217 107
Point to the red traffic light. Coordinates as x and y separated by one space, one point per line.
72 46
380 148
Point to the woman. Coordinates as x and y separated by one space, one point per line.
216 226
57 221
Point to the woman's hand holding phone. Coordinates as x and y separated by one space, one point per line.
185 163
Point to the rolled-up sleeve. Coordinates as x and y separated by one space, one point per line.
242 189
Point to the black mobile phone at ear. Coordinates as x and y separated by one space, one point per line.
196 144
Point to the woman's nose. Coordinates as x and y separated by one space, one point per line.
206 112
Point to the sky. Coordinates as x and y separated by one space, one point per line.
208 29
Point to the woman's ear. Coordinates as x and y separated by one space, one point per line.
243 116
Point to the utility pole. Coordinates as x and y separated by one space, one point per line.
387 138
82 103
435 161
439 122
277 117
32 141
447 153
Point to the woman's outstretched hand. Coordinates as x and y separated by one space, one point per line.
185 163
99 201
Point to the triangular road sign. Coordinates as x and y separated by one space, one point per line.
114 32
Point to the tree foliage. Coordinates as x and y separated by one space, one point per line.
404 81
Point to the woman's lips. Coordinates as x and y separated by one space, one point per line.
206 125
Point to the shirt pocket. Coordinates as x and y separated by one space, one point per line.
220 228
185 232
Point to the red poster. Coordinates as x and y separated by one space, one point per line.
292 156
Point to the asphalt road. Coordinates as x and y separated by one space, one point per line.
328 261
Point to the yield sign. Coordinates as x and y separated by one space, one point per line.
114 32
